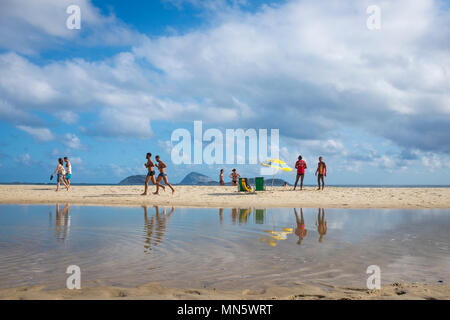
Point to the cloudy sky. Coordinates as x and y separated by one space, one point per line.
374 103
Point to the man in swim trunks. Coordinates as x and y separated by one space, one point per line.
300 165
321 172
162 175
68 171
151 173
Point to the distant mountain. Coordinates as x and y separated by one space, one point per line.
198 179
133 180
268 182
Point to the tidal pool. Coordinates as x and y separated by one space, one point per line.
227 248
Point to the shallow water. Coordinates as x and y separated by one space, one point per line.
220 248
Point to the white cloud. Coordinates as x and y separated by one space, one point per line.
72 141
40 134
31 26
308 68
433 161
24 159
67 116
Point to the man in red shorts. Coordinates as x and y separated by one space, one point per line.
300 165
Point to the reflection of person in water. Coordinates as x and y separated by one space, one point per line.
155 233
234 214
300 231
221 215
62 222
321 224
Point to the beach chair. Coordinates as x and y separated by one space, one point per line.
243 185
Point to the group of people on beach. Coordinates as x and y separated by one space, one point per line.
233 175
321 172
63 174
300 165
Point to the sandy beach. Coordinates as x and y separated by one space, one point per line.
298 291
204 196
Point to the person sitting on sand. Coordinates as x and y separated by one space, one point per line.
321 225
321 172
61 175
162 175
150 174
300 165
300 231
234 177
68 171
221 182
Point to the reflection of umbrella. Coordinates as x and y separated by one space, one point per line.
277 164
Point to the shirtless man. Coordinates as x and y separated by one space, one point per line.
68 171
151 173
162 175
321 172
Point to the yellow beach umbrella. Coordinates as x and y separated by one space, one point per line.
278 165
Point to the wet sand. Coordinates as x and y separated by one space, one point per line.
216 196
298 291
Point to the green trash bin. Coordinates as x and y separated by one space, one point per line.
259 184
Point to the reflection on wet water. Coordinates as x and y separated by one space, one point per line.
255 247
62 221
155 227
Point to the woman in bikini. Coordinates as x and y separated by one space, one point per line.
61 174
234 177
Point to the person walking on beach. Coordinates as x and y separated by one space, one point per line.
221 182
300 231
68 171
234 177
162 175
300 165
150 165
321 224
321 172
61 172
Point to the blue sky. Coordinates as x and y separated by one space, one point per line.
374 103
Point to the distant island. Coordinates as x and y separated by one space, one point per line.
195 179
